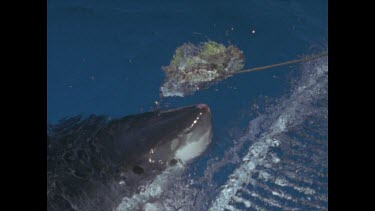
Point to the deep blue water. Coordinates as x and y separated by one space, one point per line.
105 56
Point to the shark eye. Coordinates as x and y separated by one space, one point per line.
138 170
172 162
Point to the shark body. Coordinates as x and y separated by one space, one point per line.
93 163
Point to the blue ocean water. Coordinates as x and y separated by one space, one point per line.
105 57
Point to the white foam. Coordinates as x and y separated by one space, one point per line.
289 112
152 190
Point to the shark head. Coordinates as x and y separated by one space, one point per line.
153 141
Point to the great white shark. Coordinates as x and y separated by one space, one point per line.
93 163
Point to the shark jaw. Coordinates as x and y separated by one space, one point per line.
195 146
195 140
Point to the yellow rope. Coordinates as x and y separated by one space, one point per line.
304 59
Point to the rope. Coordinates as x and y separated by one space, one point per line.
305 59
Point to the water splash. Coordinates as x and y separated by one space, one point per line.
259 182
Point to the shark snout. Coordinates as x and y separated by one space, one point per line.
204 107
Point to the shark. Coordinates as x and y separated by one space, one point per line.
94 162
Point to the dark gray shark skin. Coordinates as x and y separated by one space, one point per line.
93 163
